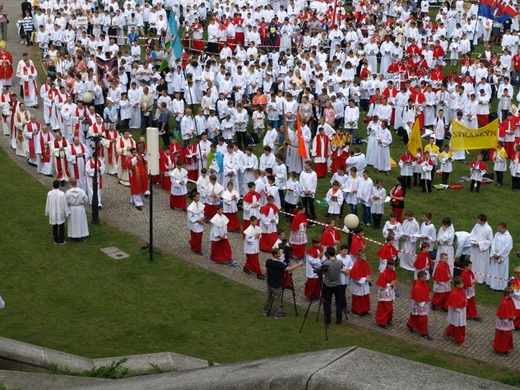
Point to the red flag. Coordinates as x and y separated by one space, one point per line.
334 14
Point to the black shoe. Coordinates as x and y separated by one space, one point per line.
260 276
140 208
409 328
246 270
427 337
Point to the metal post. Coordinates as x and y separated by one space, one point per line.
95 198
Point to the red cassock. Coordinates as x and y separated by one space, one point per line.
6 65
210 211
387 252
438 52
298 250
221 251
138 176
360 304
195 241
441 274
189 157
507 124
515 283
457 300
267 240
420 293
234 223
471 307
503 342
419 99
329 237
312 287
422 261
322 150
198 44
393 68
248 198
253 263
239 35
165 162
358 242
385 309
407 157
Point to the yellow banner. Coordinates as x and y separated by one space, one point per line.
466 138
415 140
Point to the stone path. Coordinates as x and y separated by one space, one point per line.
171 236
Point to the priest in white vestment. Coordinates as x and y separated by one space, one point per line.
77 227
480 238
501 246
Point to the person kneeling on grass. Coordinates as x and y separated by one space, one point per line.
275 269
419 309
457 302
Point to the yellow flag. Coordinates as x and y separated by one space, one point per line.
415 140
467 138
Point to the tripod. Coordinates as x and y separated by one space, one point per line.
290 286
320 277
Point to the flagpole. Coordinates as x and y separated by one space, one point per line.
475 30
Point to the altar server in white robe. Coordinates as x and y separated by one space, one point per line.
501 246
90 169
409 235
77 227
445 238
196 223
480 237
384 140
43 145
248 164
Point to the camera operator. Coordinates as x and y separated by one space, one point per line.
332 284
275 269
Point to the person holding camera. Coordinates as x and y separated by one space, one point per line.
332 285
275 269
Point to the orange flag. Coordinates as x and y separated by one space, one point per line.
301 141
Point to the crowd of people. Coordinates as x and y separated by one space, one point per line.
297 78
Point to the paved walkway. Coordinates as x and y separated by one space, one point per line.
171 236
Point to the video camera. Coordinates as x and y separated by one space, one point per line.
287 251
320 269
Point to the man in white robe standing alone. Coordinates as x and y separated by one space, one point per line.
480 238
58 210
77 227
499 258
